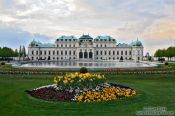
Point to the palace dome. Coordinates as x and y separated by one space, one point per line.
86 37
136 43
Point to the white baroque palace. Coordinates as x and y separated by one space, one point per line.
85 48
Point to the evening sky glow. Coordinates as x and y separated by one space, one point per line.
152 21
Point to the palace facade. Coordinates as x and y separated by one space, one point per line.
85 48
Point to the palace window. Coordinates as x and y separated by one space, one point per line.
121 52
101 52
74 52
49 52
32 52
109 52
96 52
65 52
105 52
36 52
117 52
61 45
40 52
113 52
61 52
53 52
57 52
125 52
44 52
129 52
69 52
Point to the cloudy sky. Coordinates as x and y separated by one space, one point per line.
152 21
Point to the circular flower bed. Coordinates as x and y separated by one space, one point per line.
80 87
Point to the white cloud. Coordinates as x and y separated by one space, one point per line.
118 18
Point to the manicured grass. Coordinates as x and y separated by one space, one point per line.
153 90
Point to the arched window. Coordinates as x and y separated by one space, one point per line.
125 52
109 52
80 54
90 54
85 55
69 52
121 52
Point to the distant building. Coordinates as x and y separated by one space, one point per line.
85 48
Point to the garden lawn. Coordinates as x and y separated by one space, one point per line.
153 90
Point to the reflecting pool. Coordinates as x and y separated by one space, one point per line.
79 64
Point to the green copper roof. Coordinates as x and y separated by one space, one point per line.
39 44
104 37
136 43
85 37
67 37
123 45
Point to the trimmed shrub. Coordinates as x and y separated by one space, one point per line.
166 63
2 63
83 70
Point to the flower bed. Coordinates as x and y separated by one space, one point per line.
80 87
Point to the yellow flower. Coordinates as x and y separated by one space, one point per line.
55 81
65 81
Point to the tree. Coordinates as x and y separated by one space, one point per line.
23 51
16 54
158 53
169 53
0 52
20 51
